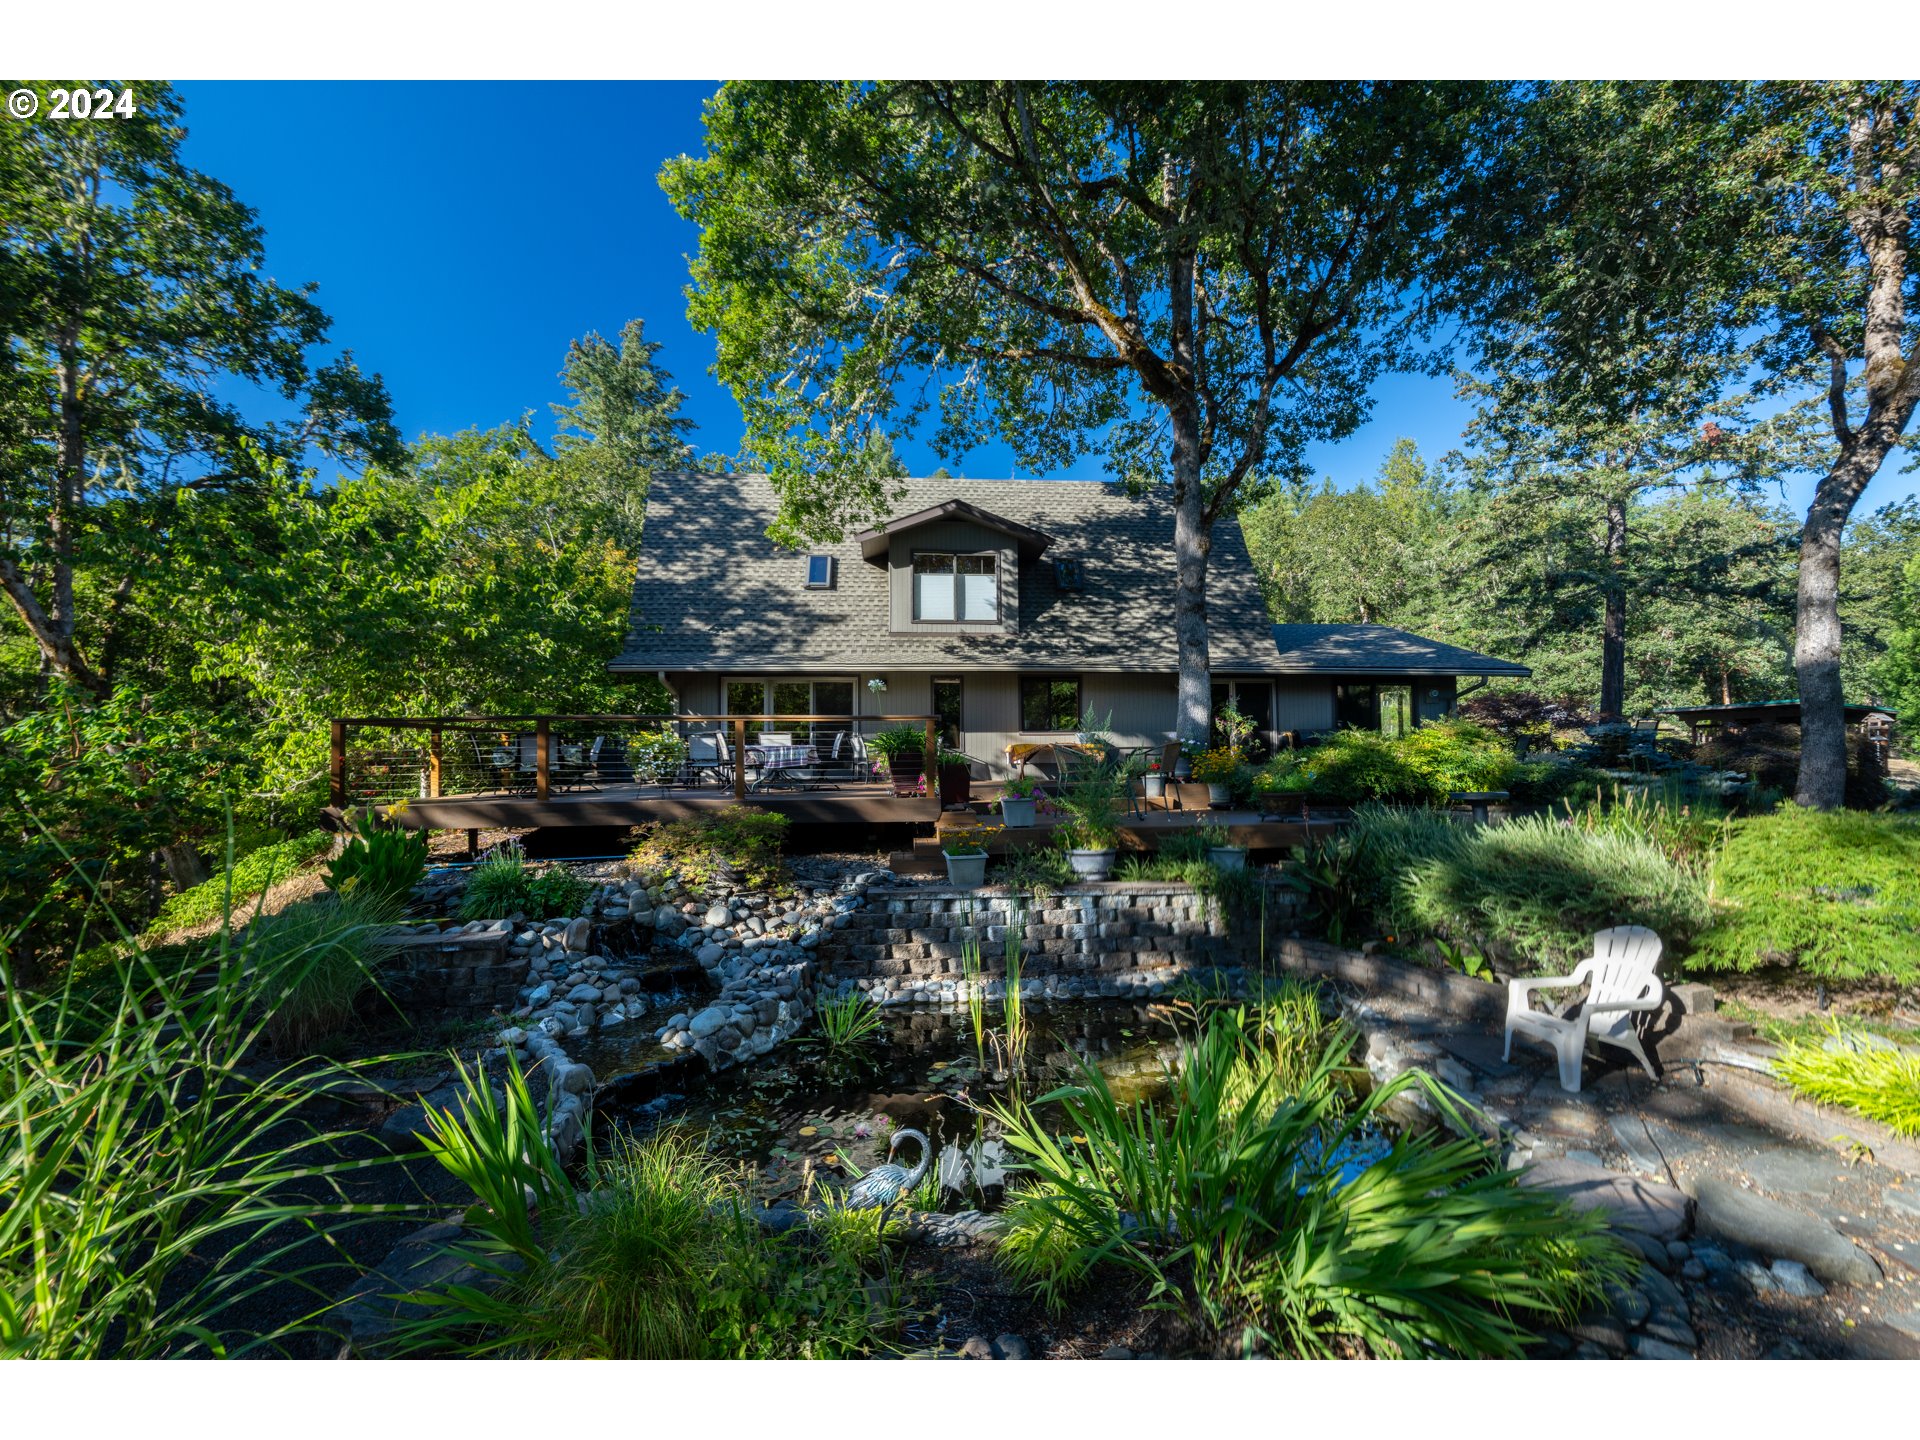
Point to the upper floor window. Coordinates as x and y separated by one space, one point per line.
955 587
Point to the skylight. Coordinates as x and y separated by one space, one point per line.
1066 574
819 572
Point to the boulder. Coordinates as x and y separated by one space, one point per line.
668 921
1631 1201
1731 1213
709 1020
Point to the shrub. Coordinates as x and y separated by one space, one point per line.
253 873
1354 876
154 1181
1688 829
380 864
1835 894
1536 890
1878 1081
661 1259
1092 807
1422 767
314 961
739 842
656 755
1246 1203
503 884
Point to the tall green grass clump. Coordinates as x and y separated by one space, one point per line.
504 884
659 1259
1877 1081
153 1181
1245 1203
251 874
327 957
1834 894
846 1021
1536 891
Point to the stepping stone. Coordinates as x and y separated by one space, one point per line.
1903 1199
1631 1132
1774 1229
1631 1202
1790 1170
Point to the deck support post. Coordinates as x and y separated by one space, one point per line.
740 759
473 844
434 756
337 766
542 758
931 770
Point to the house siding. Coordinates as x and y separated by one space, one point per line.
961 538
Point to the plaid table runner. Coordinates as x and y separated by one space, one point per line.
784 757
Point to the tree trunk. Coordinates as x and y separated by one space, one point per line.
1816 637
1192 545
1613 630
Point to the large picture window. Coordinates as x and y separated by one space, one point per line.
1050 702
955 587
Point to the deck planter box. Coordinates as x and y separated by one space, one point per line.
1156 785
968 871
1091 864
1228 858
1018 811
906 772
1219 797
956 786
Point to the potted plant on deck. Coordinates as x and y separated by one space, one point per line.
965 848
903 749
1091 829
1153 781
1217 769
1017 803
1225 856
956 779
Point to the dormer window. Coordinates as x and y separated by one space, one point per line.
819 572
1067 575
955 587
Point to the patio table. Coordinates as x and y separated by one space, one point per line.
772 760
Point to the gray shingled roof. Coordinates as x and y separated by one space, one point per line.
1377 649
712 592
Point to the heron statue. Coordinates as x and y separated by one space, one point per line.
884 1185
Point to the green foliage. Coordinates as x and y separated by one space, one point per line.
1038 870
656 755
897 742
380 863
504 884
1183 858
155 1181
1536 891
660 1259
1421 767
846 1021
1688 829
1247 1203
251 874
697 849
1878 1081
1092 807
1354 877
317 959
1833 894
88 792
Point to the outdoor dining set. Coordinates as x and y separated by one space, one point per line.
772 761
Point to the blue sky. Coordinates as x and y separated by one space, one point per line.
462 233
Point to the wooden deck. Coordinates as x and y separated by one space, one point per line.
850 804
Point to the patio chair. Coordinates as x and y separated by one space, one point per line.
1169 760
775 737
1621 985
707 755
572 775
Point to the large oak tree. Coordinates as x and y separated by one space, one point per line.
1194 281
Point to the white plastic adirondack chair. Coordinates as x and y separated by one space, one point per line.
1621 984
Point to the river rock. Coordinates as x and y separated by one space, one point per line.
1775 1229
583 993
668 921
709 1020
718 915
1794 1278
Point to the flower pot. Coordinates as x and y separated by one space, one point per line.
1183 769
956 786
1018 811
1156 786
969 871
1091 864
1219 797
1228 858
905 771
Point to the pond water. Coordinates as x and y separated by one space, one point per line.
806 1117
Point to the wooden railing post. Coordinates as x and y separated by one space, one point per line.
542 758
740 759
337 766
433 763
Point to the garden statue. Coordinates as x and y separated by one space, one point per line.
884 1185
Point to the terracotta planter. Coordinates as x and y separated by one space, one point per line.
1219 797
956 786
1156 786
1228 858
969 871
1091 864
1017 812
